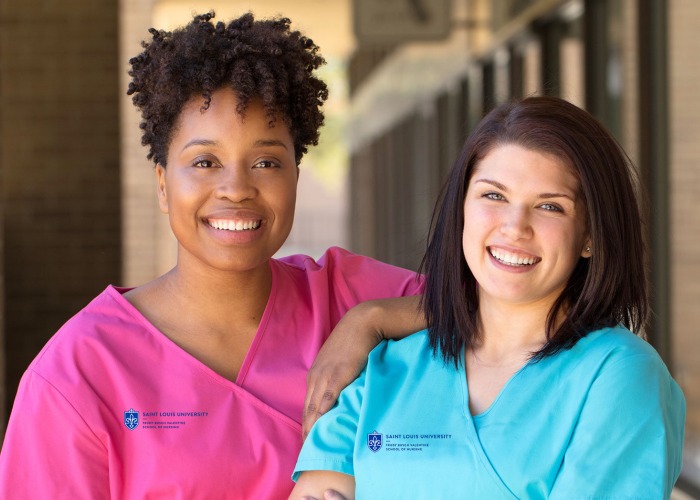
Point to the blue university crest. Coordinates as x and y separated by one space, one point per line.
131 419
374 441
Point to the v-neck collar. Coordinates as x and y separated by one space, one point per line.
472 433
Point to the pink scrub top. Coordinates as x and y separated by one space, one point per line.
111 408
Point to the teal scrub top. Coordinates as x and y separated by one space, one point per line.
603 419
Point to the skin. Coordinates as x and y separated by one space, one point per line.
223 170
520 204
226 168
344 355
227 171
324 485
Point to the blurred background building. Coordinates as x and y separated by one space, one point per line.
408 79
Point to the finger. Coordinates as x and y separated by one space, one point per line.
318 401
308 419
314 410
309 414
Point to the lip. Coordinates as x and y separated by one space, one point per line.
235 226
527 261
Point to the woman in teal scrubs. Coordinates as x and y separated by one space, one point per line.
529 382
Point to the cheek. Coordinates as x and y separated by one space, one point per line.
478 221
465 242
568 240
185 194
284 195
472 238
177 193
469 226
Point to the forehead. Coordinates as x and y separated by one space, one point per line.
223 112
512 164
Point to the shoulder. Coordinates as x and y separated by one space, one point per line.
630 417
406 355
95 345
103 325
335 257
412 344
612 364
628 365
617 346
361 276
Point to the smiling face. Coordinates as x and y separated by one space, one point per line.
230 185
524 226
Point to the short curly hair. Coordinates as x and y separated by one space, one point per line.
260 59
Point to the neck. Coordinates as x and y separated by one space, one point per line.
241 290
510 331
216 298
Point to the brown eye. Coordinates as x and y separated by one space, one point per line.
265 164
204 164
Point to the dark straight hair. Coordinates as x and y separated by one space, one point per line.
607 289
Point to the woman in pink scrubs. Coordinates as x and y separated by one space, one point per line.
192 385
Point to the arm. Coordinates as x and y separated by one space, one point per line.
49 451
629 436
344 354
313 484
325 468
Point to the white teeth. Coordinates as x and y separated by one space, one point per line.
511 259
230 225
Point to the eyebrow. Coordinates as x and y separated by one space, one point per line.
541 195
199 142
260 143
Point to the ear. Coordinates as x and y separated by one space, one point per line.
587 249
162 193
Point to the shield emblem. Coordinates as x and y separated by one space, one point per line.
374 441
131 419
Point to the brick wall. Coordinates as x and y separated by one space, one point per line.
59 166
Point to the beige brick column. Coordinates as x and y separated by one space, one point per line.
684 139
147 246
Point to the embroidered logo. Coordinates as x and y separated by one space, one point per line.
131 419
374 441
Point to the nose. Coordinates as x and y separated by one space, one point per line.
515 223
236 184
